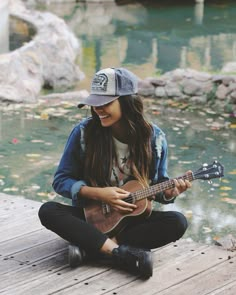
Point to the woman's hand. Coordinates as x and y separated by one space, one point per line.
114 196
181 185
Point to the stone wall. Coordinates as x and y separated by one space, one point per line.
197 88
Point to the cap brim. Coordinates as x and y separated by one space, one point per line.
95 100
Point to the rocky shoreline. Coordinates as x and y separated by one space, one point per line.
193 87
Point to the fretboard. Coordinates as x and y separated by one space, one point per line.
160 187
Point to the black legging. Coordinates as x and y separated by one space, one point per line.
68 222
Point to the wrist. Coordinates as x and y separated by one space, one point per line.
167 197
90 192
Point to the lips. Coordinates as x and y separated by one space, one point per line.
103 117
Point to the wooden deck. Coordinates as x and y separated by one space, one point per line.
34 261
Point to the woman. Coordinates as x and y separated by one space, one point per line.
103 152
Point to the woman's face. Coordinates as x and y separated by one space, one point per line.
109 114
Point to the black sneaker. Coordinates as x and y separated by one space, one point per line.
138 261
76 255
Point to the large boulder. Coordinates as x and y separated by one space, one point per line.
47 60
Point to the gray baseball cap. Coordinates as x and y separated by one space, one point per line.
108 84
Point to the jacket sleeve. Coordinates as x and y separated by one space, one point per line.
68 178
161 163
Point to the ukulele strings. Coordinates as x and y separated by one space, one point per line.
144 193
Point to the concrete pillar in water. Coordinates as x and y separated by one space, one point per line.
199 12
4 26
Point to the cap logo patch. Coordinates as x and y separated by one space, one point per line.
99 83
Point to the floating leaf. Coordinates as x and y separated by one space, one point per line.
206 229
209 139
155 112
37 140
189 213
173 158
42 194
233 172
11 189
33 155
51 195
225 188
185 162
224 180
232 126
224 194
44 116
15 140
229 200
35 187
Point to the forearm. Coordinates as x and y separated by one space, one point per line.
89 192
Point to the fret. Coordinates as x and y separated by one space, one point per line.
160 187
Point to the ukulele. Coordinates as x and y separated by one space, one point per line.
111 222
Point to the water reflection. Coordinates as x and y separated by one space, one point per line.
152 37
4 25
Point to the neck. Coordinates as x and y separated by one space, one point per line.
119 131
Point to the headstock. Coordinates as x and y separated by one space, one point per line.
207 172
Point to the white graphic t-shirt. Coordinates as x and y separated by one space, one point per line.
121 172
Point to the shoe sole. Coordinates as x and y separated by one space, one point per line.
146 269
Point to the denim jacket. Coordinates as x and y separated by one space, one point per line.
69 176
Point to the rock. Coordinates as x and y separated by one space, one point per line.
145 88
222 91
47 60
227 80
172 90
191 87
160 92
233 97
198 99
156 82
229 67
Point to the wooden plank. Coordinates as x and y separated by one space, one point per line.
207 281
15 202
91 279
32 255
177 271
19 228
29 272
117 279
34 258
228 289
15 245
50 282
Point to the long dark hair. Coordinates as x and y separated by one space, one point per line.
100 149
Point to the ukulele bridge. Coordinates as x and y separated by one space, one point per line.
106 209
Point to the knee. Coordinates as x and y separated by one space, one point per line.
46 212
181 224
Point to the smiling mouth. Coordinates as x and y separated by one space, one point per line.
103 117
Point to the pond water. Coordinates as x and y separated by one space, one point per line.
32 140
147 40
150 37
